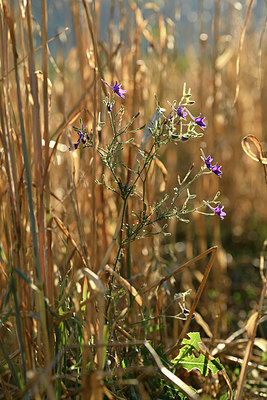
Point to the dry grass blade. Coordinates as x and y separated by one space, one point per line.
162 32
249 152
146 136
37 144
35 50
68 235
177 381
124 332
225 57
72 114
152 6
261 69
251 331
92 240
247 149
29 188
126 285
60 131
263 277
164 172
98 287
158 163
180 269
203 349
139 18
242 37
213 251
40 75
93 37
151 41
112 243
47 97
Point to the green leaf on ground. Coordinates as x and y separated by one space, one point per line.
190 358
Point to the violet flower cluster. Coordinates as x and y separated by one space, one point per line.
216 169
218 210
81 139
116 89
84 139
180 111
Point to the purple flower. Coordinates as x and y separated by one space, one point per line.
218 210
179 111
82 139
207 160
116 89
186 313
213 168
199 120
109 106
216 170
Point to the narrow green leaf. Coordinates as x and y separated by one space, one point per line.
12 367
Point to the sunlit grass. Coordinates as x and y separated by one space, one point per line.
95 296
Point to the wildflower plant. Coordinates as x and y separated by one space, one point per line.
73 320
84 139
183 124
130 182
116 89
215 168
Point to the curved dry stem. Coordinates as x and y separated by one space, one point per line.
213 251
252 325
246 142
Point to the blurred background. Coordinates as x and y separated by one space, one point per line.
152 48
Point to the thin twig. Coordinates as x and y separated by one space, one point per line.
252 325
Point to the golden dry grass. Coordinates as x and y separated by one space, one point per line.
62 302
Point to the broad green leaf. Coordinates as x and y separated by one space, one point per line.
193 341
187 359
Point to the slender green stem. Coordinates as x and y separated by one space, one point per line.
120 235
